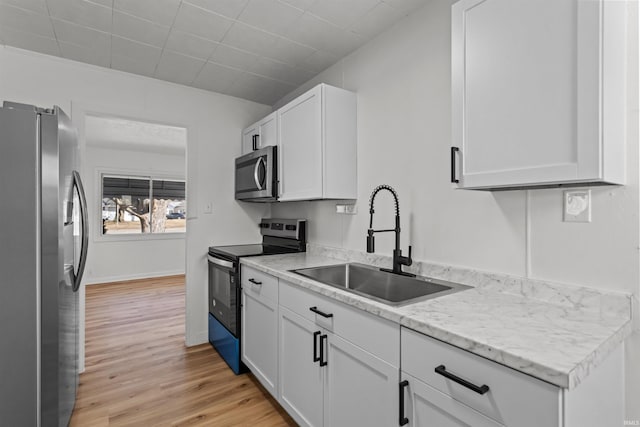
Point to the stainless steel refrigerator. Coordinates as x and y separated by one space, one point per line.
43 251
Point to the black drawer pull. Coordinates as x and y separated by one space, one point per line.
323 339
255 282
316 358
454 179
402 419
321 313
442 370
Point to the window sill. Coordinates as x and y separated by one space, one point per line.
106 238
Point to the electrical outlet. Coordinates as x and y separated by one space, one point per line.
347 209
577 206
351 209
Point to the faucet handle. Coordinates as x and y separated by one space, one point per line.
409 260
371 242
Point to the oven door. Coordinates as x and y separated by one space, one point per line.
256 175
223 292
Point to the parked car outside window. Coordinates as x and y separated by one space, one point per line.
175 215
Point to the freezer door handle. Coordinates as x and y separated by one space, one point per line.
77 182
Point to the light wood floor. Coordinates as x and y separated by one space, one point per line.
139 372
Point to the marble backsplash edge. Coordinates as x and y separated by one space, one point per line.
610 303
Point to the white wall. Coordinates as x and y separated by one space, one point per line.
119 257
403 81
214 123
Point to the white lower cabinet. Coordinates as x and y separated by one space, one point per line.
327 380
260 326
360 389
301 376
329 364
444 386
425 406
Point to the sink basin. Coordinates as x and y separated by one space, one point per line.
389 288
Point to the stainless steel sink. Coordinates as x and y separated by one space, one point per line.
382 286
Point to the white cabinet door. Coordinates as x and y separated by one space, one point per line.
268 131
425 406
360 389
248 136
261 134
535 404
300 147
260 339
300 376
317 145
531 88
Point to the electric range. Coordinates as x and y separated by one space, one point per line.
279 236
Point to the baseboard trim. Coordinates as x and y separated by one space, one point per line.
127 277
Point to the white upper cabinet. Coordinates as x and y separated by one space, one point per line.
260 134
317 145
538 93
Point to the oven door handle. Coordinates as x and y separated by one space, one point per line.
220 262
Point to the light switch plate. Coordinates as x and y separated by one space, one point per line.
208 207
577 206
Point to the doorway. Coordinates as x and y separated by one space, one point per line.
144 235
136 192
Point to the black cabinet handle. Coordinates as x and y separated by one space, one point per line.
454 150
323 339
255 282
254 139
323 314
316 358
442 370
402 420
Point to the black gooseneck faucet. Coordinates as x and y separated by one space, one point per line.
398 259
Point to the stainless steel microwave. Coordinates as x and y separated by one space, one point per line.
257 176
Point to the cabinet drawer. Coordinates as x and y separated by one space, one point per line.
513 398
259 284
426 406
380 337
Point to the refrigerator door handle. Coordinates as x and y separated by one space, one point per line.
77 182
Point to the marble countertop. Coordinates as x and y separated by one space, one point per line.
555 333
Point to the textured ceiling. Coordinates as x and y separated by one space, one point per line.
253 49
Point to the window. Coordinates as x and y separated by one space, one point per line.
142 204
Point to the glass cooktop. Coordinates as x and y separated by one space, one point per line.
237 251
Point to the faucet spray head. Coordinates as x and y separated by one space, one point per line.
371 242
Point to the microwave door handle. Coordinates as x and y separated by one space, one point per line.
255 173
